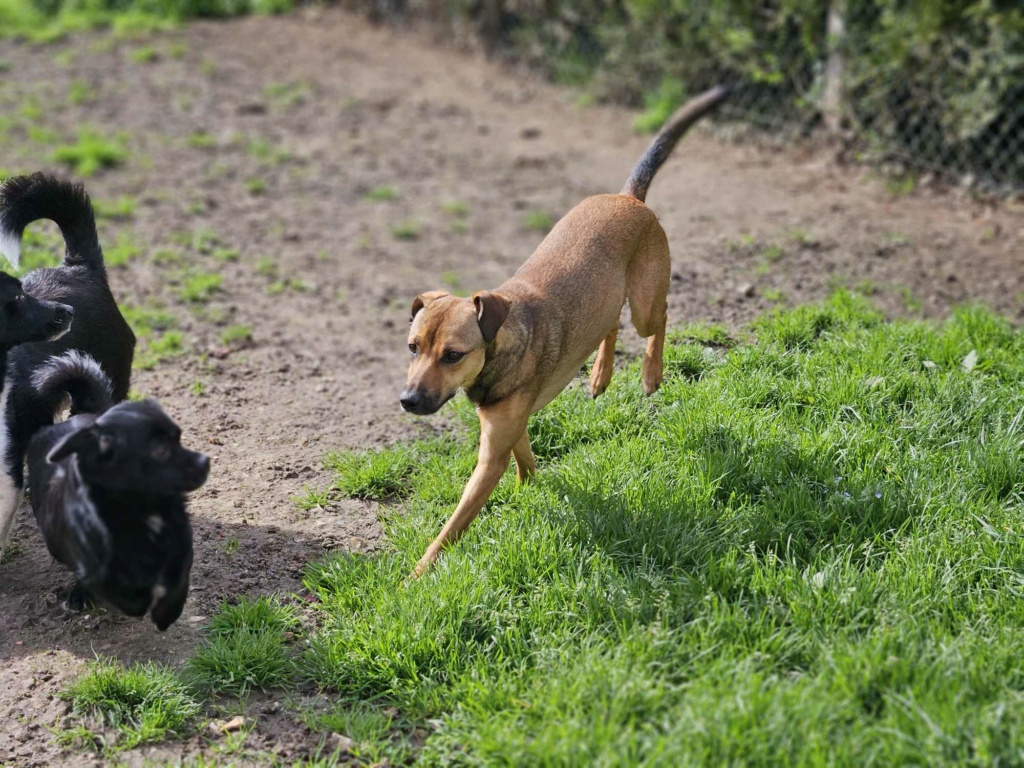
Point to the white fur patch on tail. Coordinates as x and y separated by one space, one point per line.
10 245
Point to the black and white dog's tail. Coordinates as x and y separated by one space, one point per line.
78 376
24 199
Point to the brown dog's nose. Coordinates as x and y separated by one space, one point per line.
411 400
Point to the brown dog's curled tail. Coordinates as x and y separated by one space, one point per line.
668 137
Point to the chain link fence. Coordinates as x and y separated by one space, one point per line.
933 86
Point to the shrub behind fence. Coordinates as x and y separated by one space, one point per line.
925 84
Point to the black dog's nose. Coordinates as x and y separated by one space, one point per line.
411 400
63 314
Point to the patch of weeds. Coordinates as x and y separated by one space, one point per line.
152 351
231 547
256 186
122 252
197 388
910 302
79 92
459 227
288 94
200 287
456 208
168 256
866 288
280 286
901 185
12 550
659 105
30 109
246 649
204 240
236 334
266 267
406 230
41 135
144 55
226 254
373 475
773 295
381 194
121 209
313 498
142 704
538 221
201 140
91 152
265 153
177 50
454 282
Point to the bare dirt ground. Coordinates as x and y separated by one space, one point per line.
322 108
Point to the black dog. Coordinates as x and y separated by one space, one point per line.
98 329
108 493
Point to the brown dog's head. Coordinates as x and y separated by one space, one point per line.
448 340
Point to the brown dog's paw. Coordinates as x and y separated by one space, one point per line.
651 383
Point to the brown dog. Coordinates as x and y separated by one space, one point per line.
514 349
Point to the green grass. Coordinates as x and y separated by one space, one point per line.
139 704
122 252
406 230
236 334
144 55
246 649
539 221
123 208
659 105
807 550
200 287
91 152
156 338
381 194
79 92
201 140
256 186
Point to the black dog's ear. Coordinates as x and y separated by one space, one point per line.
491 311
422 300
82 440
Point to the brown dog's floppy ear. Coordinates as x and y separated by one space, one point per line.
491 311
422 300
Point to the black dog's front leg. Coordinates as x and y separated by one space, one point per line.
80 598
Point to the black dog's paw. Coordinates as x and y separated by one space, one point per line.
79 600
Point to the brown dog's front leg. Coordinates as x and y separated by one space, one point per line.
501 426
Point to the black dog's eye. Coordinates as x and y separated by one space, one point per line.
452 356
12 306
413 348
162 450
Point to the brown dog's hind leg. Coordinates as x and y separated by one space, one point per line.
601 374
502 427
647 282
526 464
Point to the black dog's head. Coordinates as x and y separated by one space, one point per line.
25 319
135 446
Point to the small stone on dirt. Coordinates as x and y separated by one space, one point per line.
746 290
339 742
236 723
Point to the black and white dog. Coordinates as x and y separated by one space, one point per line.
80 287
108 491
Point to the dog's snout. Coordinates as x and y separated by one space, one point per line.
411 400
63 314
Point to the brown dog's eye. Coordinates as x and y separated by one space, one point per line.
412 349
451 356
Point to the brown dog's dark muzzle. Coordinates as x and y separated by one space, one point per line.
420 403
